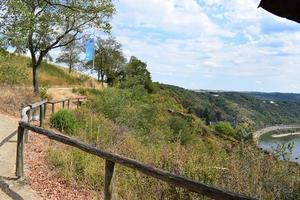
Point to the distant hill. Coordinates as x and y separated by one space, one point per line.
251 109
276 96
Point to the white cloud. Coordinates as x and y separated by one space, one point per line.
210 39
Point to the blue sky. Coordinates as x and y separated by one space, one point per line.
211 44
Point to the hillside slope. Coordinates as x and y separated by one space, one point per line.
16 70
244 108
155 129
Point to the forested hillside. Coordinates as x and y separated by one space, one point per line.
275 96
239 108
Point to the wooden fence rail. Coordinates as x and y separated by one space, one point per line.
112 159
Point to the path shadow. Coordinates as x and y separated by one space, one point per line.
6 189
5 140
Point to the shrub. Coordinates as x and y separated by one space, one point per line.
65 121
43 93
225 128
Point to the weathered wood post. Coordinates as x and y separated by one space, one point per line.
26 131
20 152
45 110
68 103
63 104
41 115
109 180
52 108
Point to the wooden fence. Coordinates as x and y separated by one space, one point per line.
112 159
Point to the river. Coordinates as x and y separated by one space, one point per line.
269 143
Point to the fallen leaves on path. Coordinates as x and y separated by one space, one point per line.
46 181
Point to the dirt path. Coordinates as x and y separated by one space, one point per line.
10 188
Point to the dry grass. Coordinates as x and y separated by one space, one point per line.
49 74
12 99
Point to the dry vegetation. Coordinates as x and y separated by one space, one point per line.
138 125
13 98
16 70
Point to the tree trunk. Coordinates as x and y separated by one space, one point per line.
70 69
102 80
35 78
98 77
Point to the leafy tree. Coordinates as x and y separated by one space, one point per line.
225 128
136 73
70 55
109 60
43 25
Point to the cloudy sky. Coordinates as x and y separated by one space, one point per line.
211 44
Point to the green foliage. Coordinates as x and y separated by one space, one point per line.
225 128
65 121
109 60
156 130
243 110
43 93
136 73
41 26
12 75
70 55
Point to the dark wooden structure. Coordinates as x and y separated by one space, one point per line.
289 9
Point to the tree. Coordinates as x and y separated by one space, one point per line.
43 25
109 60
136 73
225 128
70 55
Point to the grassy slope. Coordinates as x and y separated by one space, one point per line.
49 74
139 125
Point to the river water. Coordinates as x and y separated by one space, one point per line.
269 143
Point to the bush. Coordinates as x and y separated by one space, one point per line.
225 128
64 121
44 93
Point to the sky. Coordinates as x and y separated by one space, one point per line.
211 44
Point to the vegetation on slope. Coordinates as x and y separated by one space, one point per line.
242 110
16 70
139 124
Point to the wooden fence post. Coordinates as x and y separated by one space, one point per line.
52 108
41 115
109 180
63 104
45 110
20 152
26 131
68 103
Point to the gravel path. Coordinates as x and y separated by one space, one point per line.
10 188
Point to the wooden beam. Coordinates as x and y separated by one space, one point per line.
179 181
38 104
